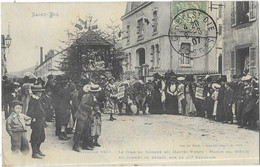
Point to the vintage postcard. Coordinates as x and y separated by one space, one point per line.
130 83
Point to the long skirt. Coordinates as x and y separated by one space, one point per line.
220 112
83 132
111 106
215 108
25 100
190 107
156 103
180 106
171 104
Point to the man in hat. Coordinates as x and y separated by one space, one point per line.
84 116
48 105
199 100
37 113
61 100
249 102
50 83
243 83
235 87
227 103
207 92
220 115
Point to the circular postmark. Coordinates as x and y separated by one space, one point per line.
193 33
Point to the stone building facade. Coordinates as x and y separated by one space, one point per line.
146 41
241 36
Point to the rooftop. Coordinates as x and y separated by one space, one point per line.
90 38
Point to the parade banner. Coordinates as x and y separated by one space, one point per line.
199 93
121 92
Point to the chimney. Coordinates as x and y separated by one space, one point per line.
41 54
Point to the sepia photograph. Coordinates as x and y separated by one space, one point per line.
130 83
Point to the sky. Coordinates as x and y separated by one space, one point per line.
30 32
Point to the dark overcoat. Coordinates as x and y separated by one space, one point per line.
37 113
61 99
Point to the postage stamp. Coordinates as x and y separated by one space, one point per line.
196 26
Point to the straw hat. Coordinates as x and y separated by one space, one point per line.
246 78
215 86
86 88
180 78
94 88
37 88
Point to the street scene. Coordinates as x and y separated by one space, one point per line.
130 83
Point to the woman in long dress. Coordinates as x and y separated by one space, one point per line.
111 98
171 97
156 101
214 96
189 94
181 97
26 93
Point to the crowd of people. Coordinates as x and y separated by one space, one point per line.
77 106
209 97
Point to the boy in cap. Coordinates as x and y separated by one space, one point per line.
37 113
15 127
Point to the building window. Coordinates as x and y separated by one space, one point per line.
242 12
220 29
252 10
220 12
129 61
157 56
140 28
128 33
233 13
155 21
152 55
185 53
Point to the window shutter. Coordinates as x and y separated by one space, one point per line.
232 62
220 29
252 10
233 14
152 53
252 56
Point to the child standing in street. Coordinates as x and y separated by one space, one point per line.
15 127
96 125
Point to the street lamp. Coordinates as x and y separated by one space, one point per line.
8 40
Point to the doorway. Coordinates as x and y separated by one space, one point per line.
140 53
220 63
242 60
